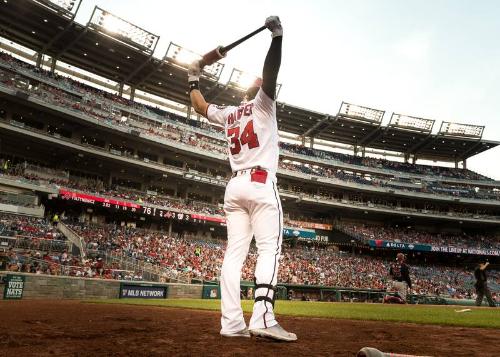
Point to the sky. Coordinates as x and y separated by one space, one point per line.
437 59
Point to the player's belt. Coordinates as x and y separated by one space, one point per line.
252 170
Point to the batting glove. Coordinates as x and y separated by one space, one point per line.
194 71
273 23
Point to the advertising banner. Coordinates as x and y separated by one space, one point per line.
311 225
299 233
14 287
97 200
378 243
143 291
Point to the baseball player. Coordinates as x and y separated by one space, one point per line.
481 285
400 273
251 203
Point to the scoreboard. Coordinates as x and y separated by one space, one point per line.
146 210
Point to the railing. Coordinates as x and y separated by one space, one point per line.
72 237
59 269
30 243
149 272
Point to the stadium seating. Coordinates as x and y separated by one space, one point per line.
100 104
34 245
202 259
17 172
408 235
12 225
301 265
205 144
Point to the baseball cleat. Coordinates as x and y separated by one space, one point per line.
275 332
242 333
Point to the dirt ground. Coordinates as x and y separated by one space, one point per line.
73 328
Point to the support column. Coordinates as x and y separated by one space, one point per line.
303 141
407 158
39 59
120 89
414 159
363 151
464 164
456 164
311 142
189 108
53 65
132 93
355 150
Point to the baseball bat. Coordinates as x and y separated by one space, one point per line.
221 51
373 352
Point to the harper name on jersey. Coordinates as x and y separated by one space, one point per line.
242 110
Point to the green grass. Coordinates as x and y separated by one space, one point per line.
420 314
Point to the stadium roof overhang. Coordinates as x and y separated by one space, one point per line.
49 28
35 24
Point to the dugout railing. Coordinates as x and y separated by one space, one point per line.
211 290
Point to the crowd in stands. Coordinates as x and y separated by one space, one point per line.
465 191
202 259
409 235
97 187
34 245
299 265
178 255
12 225
18 171
62 264
105 106
106 112
384 163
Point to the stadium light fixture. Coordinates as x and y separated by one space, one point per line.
122 30
241 79
359 112
411 122
67 5
244 80
461 130
183 57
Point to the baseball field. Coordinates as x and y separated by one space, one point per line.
188 327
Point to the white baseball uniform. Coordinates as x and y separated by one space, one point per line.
252 207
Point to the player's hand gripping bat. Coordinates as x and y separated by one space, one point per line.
221 51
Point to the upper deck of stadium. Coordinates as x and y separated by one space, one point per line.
127 56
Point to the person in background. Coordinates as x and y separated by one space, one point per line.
482 286
400 273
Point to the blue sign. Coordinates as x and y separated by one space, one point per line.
299 233
378 243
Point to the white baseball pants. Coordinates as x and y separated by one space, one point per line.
401 288
252 209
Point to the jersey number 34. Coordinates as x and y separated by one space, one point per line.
248 137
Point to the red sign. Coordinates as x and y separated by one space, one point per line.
207 218
82 197
311 225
